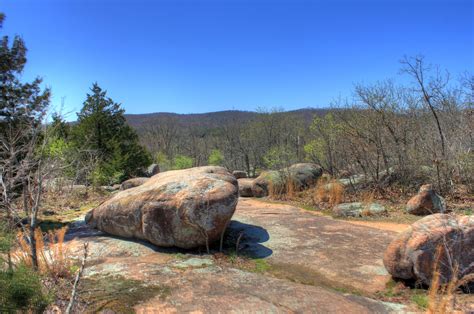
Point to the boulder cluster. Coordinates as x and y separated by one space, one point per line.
191 208
300 176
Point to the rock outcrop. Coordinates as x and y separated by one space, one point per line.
426 202
438 240
302 176
183 208
358 209
245 187
133 182
152 170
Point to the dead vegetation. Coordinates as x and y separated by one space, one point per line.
54 257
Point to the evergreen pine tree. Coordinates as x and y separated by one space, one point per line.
22 105
102 128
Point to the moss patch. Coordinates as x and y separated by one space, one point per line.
63 218
260 266
420 299
117 293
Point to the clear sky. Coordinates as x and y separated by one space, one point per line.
202 55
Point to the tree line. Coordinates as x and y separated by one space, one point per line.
391 133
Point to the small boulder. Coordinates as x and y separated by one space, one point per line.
305 174
133 182
302 176
245 187
358 209
426 202
437 240
152 170
239 174
183 208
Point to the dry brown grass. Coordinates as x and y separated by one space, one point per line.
329 191
442 296
53 258
367 198
286 191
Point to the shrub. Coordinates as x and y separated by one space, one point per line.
22 289
279 157
216 158
163 161
182 162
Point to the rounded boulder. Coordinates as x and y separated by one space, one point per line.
245 187
426 202
440 242
183 208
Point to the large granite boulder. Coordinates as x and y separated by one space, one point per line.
245 187
302 176
439 240
183 208
358 209
426 202
152 170
133 182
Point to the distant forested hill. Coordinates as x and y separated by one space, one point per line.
239 139
214 119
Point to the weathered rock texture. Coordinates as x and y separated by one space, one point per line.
301 176
152 170
426 202
358 209
131 183
245 187
238 174
182 208
415 252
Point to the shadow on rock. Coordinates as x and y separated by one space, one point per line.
251 237
80 230
249 244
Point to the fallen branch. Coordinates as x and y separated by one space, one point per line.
76 281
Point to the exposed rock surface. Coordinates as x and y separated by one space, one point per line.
316 264
426 202
179 208
245 187
308 247
412 255
152 170
302 175
358 209
133 182
239 174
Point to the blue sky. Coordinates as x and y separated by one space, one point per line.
199 56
